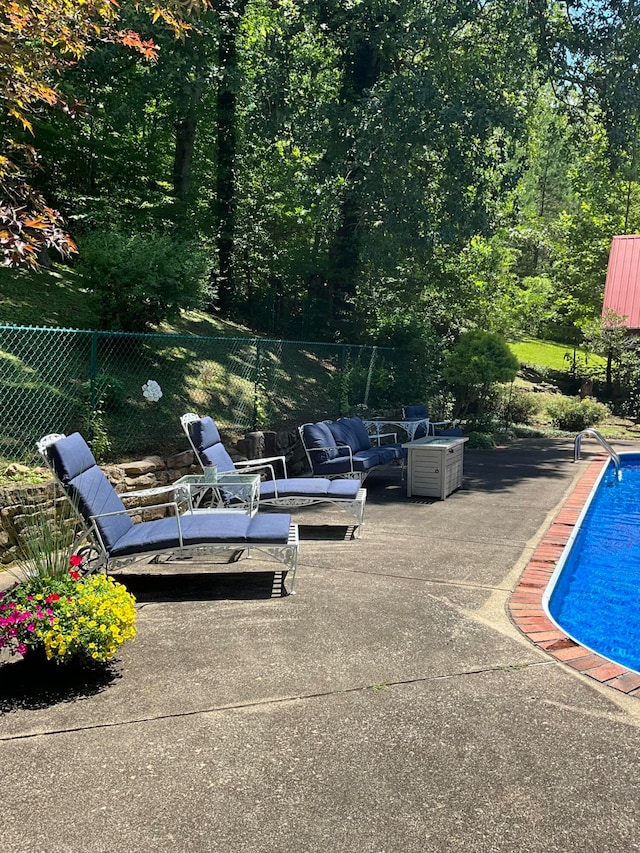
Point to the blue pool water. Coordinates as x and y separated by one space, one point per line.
594 595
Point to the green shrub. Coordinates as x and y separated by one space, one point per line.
481 440
474 366
521 408
572 414
141 279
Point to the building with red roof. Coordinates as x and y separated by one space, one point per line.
622 287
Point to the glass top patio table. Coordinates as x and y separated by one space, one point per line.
409 425
228 492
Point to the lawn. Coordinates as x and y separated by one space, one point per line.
551 355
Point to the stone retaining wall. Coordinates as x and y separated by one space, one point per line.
22 506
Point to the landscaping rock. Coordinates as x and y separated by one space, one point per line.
181 460
15 469
143 466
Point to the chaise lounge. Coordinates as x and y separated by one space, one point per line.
116 540
208 448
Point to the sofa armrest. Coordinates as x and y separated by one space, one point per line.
342 450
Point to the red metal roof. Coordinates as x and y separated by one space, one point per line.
622 288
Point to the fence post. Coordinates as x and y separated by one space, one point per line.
256 386
93 372
342 365
368 387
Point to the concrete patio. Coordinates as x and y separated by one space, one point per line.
390 706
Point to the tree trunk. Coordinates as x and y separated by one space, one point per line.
230 14
361 71
186 127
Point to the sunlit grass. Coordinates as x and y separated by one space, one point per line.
551 355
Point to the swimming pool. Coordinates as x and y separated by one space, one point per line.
594 593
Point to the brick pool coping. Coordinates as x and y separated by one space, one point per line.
525 603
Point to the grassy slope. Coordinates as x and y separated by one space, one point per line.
56 297
550 355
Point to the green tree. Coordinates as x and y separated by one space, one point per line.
477 362
38 41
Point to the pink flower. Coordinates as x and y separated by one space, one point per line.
21 648
75 560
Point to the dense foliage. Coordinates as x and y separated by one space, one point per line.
397 171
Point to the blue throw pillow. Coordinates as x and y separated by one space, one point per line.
319 435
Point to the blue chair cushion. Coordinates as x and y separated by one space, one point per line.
390 452
387 454
450 431
309 487
319 435
206 439
201 529
70 456
217 455
87 487
95 495
204 433
351 432
362 461
414 412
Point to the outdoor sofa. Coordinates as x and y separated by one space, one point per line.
344 448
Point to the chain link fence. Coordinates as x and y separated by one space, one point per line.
62 380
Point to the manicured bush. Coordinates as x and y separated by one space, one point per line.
476 364
481 440
573 414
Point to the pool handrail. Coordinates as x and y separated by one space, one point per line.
603 442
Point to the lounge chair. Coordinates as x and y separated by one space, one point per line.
116 540
208 449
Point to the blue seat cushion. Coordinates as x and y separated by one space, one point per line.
450 431
217 455
204 433
319 435
351 432
414 412
392 452
94 495
70 456
309 487
201 529
362 461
